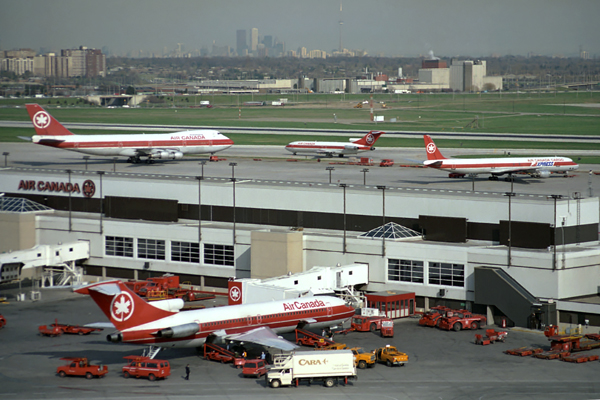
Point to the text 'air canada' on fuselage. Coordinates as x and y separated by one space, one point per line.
159 146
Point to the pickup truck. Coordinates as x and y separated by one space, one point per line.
78 366
390 356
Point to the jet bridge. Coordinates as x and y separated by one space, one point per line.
56 261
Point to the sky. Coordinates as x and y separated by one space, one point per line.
393 27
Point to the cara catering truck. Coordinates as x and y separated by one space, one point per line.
327 366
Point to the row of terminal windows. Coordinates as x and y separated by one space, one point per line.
439 273
153 249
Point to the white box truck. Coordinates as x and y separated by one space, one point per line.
327 366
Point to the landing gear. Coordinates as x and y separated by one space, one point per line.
134 159
493 178
149 160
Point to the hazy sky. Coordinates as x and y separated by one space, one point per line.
394 27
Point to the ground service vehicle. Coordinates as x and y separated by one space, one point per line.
327 366
386 162
462 319
490 337
2 321
363 323
390 356
254 368
57 329
78 366
387 328
146 367
307 338
217 353
363 359
433 316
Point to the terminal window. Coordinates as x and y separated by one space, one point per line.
119 246
446 274
151 249
405 270
185 252
218 254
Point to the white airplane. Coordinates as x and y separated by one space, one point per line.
340 148
163 146
538 167
161 324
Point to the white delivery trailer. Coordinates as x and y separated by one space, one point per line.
327 366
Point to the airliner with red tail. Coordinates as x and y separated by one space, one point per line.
328 149
162 324
162 146
537 167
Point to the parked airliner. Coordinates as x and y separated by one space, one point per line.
328 149
538 167
162 324
162 146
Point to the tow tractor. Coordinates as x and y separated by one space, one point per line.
434 315
462 319
218 353
78 366
57 329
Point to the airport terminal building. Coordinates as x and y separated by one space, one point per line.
521 257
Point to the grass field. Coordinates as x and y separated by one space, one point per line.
538 113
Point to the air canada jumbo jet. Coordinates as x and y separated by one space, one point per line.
329 149
162 324
157 146
538 167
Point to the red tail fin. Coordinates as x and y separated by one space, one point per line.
44 123
369 139
124 308
433 153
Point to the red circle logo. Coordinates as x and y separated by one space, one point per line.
235 294
121 307
89 188
431 148
41 120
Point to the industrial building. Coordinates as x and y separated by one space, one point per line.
460 248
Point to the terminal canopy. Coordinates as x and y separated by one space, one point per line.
17 204
391 231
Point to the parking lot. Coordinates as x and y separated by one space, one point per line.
442 365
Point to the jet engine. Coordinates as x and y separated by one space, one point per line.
115 337
179 331
167 154
541 174
175 155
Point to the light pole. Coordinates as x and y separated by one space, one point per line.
200 178
5 154
101 201
343 186
329 169
555 197
69 189
233 184
382 188
115 164
364 171
510 195
86 158
202 164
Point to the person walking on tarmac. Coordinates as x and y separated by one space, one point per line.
187 372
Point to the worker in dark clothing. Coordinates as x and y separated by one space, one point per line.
187 372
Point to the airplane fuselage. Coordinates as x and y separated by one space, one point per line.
187 142
501 166
326 148
281 316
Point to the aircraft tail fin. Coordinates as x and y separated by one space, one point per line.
44 123
369 139
121 305
433 153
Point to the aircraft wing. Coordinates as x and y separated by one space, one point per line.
328 153
50 141
264 336
529 170
103 325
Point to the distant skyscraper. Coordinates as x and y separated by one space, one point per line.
253 39
241 44
268 41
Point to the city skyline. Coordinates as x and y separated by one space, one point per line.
382 27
